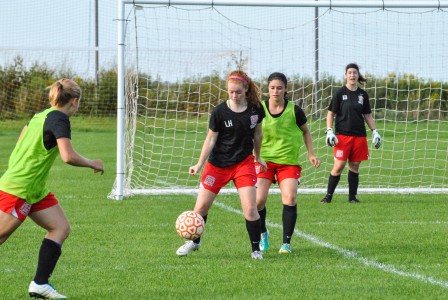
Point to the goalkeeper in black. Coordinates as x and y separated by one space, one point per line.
350 108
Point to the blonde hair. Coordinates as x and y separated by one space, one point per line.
253 91
62 91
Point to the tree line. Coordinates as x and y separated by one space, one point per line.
23 91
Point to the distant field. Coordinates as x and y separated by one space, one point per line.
388 247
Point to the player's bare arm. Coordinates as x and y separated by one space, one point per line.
71 157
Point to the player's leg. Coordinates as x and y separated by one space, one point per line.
13 212
262 196
333 180
341 153
207 194
54 220
245 180
359 153
8 224
289 179
203 203
353 181
248 204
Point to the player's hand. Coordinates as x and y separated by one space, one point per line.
331 138
97 166
264 166
376 139
314 160
194 170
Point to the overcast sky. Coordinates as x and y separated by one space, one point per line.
273 39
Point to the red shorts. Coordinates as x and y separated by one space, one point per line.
278 172
20 209
243 174
353 148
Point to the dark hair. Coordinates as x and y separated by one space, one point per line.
253 91
355 66
281 77
278 76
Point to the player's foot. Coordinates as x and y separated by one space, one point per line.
264 241
354 200
44 291
285 249
326 199
256 255
188 247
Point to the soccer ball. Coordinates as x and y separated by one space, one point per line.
190 225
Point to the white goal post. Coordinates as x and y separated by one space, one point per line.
173 56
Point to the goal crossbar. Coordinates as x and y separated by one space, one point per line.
303 3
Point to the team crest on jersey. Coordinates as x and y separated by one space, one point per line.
209 180
25 209
253 121
339 153
344 97
361 99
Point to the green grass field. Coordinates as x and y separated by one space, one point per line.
388 247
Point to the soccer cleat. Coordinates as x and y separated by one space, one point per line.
285 249
325 200
264 241
256 255
44 291
354 200
188 247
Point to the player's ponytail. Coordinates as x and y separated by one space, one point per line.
62 91
253 91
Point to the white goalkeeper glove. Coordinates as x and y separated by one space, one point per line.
376 139
331 139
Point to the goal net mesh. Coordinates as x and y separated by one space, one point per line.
177 59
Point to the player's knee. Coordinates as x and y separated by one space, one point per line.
66 231
61 233
289 199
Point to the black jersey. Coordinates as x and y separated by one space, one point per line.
57 125
300 114
350 108
236 133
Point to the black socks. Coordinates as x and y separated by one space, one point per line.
289 217
48 257
353 183
198 240
254 230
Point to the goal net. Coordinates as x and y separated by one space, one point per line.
177 59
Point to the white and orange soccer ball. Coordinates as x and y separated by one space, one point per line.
190 225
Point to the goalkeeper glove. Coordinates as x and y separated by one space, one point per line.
376 139
331 139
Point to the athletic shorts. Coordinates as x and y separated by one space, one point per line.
20 209
243 174
353 148
278 172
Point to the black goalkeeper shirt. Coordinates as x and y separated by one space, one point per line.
350 108
236 133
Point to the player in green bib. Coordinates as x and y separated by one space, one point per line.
284 131
23 190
